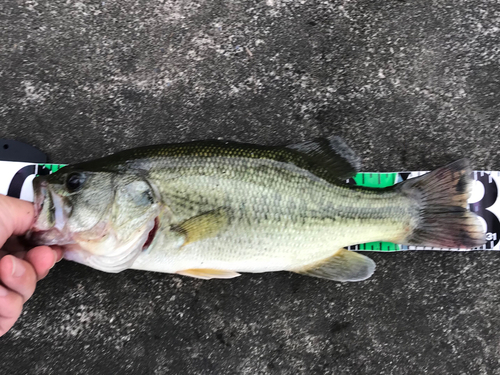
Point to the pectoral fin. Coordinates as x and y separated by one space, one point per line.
207 273
206 225
343 266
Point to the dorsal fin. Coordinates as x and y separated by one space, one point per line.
328 158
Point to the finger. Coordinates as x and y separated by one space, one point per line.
18 276
11 305
42 258
16 217
59 252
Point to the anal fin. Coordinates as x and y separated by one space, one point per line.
343 266
207 273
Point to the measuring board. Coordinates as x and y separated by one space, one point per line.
484 201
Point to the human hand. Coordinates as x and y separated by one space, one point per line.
19 269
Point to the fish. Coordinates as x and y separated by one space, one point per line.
215 209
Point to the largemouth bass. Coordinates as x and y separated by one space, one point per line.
212 209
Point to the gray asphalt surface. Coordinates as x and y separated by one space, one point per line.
410 85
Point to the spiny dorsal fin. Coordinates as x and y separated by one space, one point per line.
328 158
207 273
343 266
205 225
331 156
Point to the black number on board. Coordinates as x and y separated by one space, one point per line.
17 182
481 208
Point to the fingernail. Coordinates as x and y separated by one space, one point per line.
55 258
3 291
18 268
57 255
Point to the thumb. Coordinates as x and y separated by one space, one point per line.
16 217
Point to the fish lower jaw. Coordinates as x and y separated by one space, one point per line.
112 264
121 256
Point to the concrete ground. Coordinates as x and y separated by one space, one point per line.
410 85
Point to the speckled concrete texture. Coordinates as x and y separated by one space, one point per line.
410 85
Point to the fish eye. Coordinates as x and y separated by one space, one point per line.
75 181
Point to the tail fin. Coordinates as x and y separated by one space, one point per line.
443 219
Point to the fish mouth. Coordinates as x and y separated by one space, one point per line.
50 217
